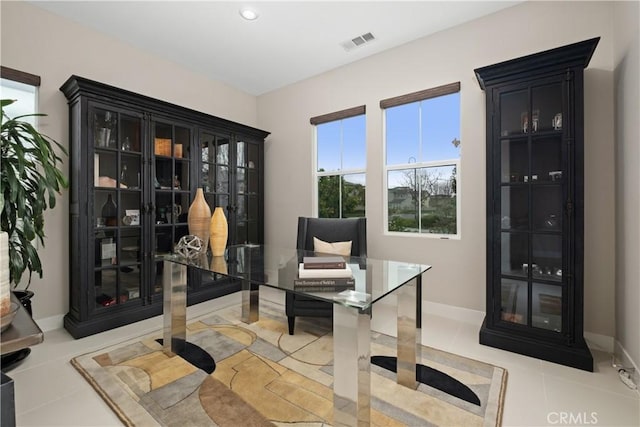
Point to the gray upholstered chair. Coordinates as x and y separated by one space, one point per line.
329 230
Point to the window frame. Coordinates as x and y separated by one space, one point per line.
410 98
328 118
24 79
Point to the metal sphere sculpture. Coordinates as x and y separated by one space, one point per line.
189 246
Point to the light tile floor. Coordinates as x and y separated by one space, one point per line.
49 392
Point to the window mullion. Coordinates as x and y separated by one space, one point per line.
420 156
419 184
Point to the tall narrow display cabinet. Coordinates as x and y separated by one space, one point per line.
135 165
535 204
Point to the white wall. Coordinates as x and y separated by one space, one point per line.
54 48
458 274
627 131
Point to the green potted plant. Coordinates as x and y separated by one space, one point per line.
30 181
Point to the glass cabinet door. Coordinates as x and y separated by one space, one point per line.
215 169
116 198
531 209
247 192
171 195
215 180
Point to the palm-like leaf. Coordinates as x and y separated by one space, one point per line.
29 184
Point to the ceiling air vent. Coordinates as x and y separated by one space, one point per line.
357 41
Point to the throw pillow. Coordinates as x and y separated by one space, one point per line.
337 248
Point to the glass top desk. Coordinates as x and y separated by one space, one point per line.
275 267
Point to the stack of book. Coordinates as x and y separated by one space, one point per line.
324 274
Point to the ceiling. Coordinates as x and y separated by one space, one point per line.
289 42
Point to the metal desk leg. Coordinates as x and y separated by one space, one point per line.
351 366
250 302
407 338
174 284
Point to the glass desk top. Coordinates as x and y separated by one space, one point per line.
277 267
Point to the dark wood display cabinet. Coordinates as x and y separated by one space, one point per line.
535 204
135 165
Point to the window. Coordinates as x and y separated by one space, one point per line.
22 87
422 139
341 163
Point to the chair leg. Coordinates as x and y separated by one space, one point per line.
292 323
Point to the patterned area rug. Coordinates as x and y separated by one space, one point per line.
264 376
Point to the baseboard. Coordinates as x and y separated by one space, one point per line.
599 342
467 315
622 357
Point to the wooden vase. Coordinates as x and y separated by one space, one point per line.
218 231
198 218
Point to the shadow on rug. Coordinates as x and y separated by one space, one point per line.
263 376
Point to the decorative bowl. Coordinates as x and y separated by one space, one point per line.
5 321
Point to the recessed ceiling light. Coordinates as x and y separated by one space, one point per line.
249 13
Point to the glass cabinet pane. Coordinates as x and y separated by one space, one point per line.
514 208
547 257
546 159
242 236
106 209
547 107
253 156
207 169
182 142
130 174
131 133
253 183
223 202
547 208
105 128
514 301
163 173
181 175
163 142
514 259
514 113
241 212
106 287
105 169
241 154
130 280
129 212
222 151
105 242
546 307
514 161
130 248
222 179
240 180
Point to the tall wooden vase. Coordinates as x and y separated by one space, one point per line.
198 218
218 231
